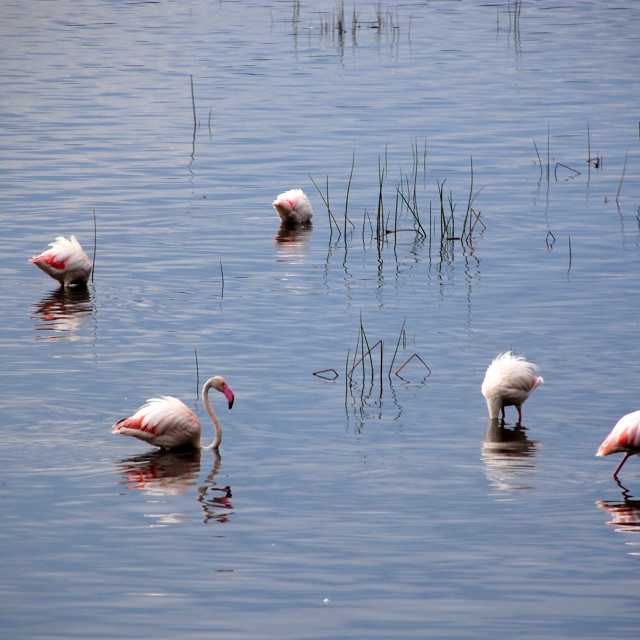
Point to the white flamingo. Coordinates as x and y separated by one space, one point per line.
509 380
168 423
293 207
65 261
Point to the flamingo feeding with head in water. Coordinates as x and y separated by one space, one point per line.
168 423
293 207
624 438
65 261
509 380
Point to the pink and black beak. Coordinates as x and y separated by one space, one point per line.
229 395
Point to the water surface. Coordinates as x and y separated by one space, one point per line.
387 507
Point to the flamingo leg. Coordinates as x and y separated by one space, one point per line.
626 455
519 415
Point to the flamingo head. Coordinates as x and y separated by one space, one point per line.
220 384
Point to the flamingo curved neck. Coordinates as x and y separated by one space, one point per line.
212 414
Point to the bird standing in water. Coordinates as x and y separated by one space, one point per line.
293 207
168 423
509 380
624 438
65 261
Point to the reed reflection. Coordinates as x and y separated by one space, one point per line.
63 311
508 456
173 473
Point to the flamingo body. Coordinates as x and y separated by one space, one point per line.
168 423
65 261
509 381
293 207
624 438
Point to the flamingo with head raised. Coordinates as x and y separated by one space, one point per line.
624 438
65 261
509 380
168 423
293 207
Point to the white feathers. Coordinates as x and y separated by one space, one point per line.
509 381
293 207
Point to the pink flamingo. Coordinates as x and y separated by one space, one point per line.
65 262
624 438
509 380
168 423
293 207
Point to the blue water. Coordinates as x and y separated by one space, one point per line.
364 503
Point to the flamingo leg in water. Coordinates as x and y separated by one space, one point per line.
626 455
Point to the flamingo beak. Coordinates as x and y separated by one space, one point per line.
229 395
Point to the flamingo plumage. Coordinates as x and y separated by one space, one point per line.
624 438
168 423
65 261
293 207
509 381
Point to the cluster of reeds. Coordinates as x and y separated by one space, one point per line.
362 370
334 25
447 226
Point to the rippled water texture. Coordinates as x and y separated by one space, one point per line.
478 190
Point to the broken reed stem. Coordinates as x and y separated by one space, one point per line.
193 104
326 204
538 154
95 245
420 230
548 156
222 286
346 200
570 256
408 360
466 217
379 217
624 169
395 353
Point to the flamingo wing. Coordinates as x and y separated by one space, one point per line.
164 422
64 261
512 377
293 206
624 437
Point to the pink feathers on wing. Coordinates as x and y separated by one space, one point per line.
65 261
509 381
624 438
293 207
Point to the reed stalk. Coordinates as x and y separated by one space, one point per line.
624 169
332 219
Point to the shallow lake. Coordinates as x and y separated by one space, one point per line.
474 170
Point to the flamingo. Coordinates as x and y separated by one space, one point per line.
293 207
168 423
624 438
65 261
509 380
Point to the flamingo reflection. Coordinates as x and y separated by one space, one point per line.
63 311
508 456
172 473
291 242
625 514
